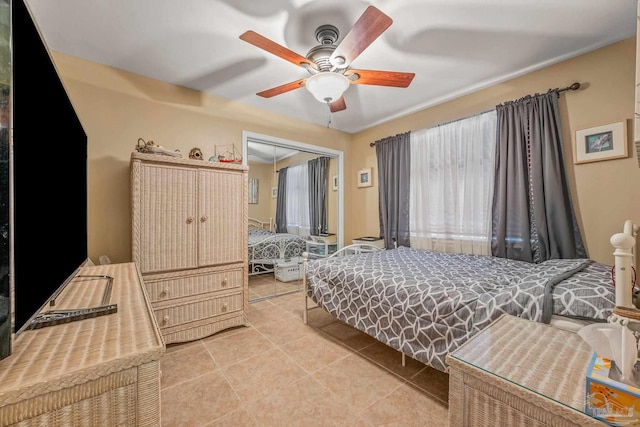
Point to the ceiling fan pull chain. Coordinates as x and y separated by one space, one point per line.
328 113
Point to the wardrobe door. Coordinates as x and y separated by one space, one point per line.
168 219
223 217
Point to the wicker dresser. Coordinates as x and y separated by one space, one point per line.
189 225
101 371
519 373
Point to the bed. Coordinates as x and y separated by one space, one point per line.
426 304
266 247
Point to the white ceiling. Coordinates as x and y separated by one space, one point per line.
267 153
454 47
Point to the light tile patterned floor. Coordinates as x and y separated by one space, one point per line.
265 285
280 372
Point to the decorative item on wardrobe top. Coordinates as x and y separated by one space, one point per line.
195 154
152 148
226 154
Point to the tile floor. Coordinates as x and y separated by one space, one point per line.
280 372
265 285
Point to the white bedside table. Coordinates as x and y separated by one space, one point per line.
320 249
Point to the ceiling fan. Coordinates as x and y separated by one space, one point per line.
329 65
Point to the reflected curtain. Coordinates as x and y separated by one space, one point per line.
281 202
452 172
297 200
393 158
533 218
318 194
253 191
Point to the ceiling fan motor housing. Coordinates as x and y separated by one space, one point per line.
320 55
327 35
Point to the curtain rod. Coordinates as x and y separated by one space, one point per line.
573 86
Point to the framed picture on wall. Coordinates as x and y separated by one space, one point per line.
335 182
364 178
274 192
603 142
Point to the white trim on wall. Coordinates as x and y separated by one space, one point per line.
286 143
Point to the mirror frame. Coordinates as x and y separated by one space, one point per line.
295 145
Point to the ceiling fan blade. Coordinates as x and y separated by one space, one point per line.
338 105
276 49
369 26
381 78
282 89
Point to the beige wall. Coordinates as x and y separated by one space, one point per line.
116 108
263 210
605 193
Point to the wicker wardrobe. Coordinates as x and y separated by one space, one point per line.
189 239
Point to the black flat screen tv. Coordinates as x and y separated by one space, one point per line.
5 94
49 173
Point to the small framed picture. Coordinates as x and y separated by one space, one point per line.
274 192
603 142
364 178
335 182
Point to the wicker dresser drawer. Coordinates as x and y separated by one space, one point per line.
171 286
191 310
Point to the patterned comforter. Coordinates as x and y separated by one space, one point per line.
266 246
426 304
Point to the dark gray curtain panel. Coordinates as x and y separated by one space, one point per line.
318 194
393 155
532 218
281 202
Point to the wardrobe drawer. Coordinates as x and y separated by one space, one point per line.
168 287
191 310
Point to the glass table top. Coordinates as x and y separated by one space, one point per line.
541 358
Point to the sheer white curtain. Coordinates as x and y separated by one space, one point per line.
298 217
451 190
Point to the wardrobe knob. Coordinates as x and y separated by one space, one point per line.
224 282
225 307
204 218
189 220
165 319
165 292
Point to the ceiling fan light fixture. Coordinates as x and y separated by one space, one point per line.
327 86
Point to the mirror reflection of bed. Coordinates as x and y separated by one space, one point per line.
280 221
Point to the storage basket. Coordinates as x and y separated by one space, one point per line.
288 271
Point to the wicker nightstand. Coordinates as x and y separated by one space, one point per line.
519 373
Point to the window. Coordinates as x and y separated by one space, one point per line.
451 191
298 218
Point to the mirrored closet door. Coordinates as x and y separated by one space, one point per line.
294 206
